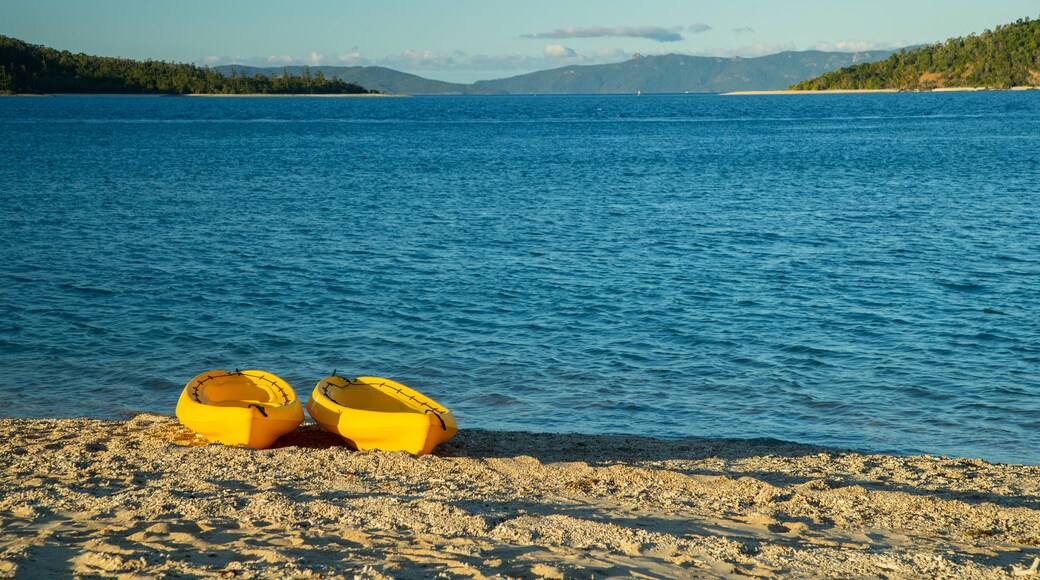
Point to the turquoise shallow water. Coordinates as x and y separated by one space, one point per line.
860 271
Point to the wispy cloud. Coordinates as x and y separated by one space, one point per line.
553 55
747 51
649 32
315 58
499 63
558 51
763 49
558 55
698 27
743 30
351 59
420 59
857 45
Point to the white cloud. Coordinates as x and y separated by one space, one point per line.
498 62
350 59
765 49
315 58
437 65
857 45
749 51
609 54
420 59
649 32
558 51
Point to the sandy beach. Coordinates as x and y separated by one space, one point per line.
820 92
148 498
860 91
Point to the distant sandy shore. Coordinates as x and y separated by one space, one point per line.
148 498
827 92
856 91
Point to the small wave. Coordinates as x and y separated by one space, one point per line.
90 290
497 400
806 349
966 287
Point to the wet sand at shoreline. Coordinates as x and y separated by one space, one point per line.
148 498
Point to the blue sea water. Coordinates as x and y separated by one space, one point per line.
860 271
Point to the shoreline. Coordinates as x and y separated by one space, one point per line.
308 95
864 91
149 497
248 95
402 95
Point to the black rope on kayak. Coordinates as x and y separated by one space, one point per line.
355 382
281 391
197 395
412 397
439 418
259 408
328 385
274 383
196 389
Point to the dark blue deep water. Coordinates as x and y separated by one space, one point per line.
860 271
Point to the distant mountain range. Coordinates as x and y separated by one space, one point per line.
670 73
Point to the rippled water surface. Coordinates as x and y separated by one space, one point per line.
852 270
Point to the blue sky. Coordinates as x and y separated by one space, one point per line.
467 40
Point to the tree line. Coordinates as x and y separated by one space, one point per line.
28 68
1002 58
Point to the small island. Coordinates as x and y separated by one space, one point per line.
32 69
1004 58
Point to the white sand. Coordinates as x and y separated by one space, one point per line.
822 92
856 91
143 498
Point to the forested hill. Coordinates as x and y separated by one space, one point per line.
27 68
376 78
676 73
1006 57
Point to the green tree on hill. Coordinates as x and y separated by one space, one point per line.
5 79
26 68
1005 57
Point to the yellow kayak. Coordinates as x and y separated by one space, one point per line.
250 408
375 413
